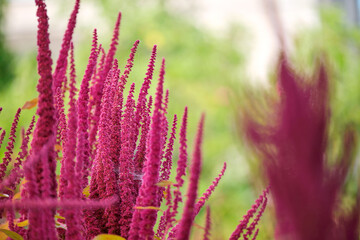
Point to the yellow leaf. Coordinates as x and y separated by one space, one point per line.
86 191
12 234
59 217
23 223
164 183
4 195
157 238
149 207
108 237
30 104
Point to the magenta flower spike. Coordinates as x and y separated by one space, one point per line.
207 224
83 146
146 219
2 136
45 125
165 222
141 102
94 221
59 78
99 87
206 195
16 174
305 189
246 218
48 221
141 150
181 166
129 65
126 174
10 146
167 163
256 220
183 231
61 63
182 163
73 187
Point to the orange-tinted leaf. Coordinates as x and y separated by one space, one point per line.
30 104
11 234
149 207
86 191
58 147
108 237
164 183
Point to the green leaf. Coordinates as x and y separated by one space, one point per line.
11 234
108 237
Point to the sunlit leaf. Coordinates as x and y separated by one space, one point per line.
164 183
23 223
59 217
157 238
86 191
30 104
17 196
149 207
12 234
4 195
108 237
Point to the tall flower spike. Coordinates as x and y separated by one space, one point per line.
208 224
83 147
99 87
209 191
44 128
95 223
167 164
72 216
183 231
126 176
148 191
141 102
182 163
141 148
61 63
16 174
181 167
59 78
10 146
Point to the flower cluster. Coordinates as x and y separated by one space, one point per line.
123 145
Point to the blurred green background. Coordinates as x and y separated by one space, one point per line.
206 72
